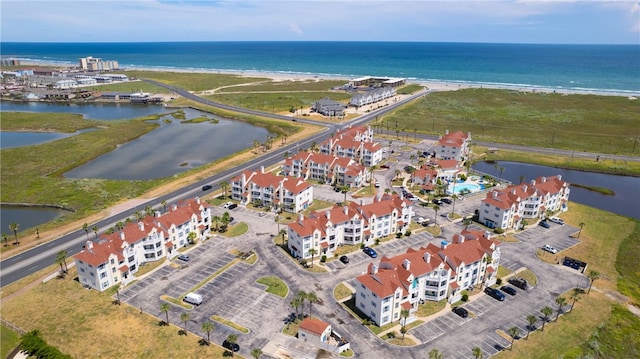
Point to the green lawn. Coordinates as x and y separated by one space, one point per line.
275 101
341 292
573 122
274 285
9 340
194 81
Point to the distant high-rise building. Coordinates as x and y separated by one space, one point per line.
96 64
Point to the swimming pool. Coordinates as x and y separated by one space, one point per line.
460 187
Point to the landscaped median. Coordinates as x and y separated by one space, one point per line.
275 286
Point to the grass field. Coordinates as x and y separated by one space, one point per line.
276 102
573 122
194 81
9 340
274 285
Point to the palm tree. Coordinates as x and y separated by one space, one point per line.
295 303
593 276
453 207
256 353
435 354
232 339
164 205
85 227
345 188
513 332
532 320
191 237
560 301
95 230
521 177
277 220
546 311
582 224
282 233
477 353
14 228
184 317
165 307
575 296
148 210
312 297
312 252
436 208
61 258
216 220
224 185
207 327
117 289
301 295
256 145
404 313
466 222
5 238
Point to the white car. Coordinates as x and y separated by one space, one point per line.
549 249
420 220
556 220
377 184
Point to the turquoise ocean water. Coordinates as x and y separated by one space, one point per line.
587 68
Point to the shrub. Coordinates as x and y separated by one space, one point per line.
407 233
362 245
377 241
399 234
465 297
499 281
323 258
391 335
498 231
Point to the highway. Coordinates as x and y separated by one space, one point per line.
42 256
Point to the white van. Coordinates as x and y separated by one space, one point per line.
193 298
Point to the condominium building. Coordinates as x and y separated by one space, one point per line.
507 208
262 188
352 223
453 146
114 258
431 273
97 64
355 143
326 168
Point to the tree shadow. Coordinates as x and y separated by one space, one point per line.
182 332
162 323
115 302
203 342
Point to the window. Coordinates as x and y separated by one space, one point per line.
374 304
113 270
386 309
112 261
103 275
362 295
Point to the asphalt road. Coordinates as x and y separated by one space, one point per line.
42 256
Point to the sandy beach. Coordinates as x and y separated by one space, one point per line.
280 76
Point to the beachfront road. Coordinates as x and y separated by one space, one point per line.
42 256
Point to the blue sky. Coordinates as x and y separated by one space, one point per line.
509 21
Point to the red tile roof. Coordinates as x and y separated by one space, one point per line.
314 325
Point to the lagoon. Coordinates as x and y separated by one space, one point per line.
93 111
26 217
626 200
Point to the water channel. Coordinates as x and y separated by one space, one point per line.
626 200
172 148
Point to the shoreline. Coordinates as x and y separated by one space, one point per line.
431 84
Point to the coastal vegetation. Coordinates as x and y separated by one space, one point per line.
602 124
276 102
602 190
192 81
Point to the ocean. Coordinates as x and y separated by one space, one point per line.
575 68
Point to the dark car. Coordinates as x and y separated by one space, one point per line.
544 224
519 283
446 200
206 187
494 293
461 312
231 346
344 259
508 290
437 201
184 257
370 252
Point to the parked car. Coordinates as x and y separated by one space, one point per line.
494 293
446 200
519 282
230 205
206 187
508 290
184 257
377 184
344 259
231 346
420 220
437 201
549 249
544 224
460 311
556 220
262 214
370 252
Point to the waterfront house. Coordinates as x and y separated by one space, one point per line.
507 208
432 273
115 258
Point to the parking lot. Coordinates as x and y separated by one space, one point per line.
235 295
